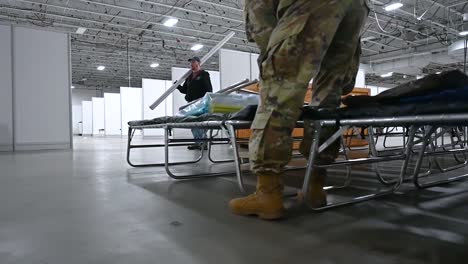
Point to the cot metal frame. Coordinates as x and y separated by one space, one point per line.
171 141
425 149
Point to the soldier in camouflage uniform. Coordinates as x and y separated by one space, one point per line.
298 40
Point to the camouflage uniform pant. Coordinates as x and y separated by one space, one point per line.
300 40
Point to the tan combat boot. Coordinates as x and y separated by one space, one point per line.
316 195
266 202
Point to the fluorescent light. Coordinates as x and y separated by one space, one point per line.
438 72
368 38
390 74
73 87
101 68
80 30
463 33
154 65
393 6
196 47
170 22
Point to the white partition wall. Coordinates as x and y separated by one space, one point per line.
234 66
6 99
98 116
87 117
131 106
153 89
112 116
215 80
169 100
77 119
360 79
41 79
254 69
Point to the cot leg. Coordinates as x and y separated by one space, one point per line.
237 159
210 145
374 153
129 145
189 176
416 176
310 163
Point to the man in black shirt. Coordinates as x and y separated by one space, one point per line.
195 87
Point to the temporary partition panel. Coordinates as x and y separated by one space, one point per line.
169 100
153 89
87 125
77 119
215 80
360 79
254 69
6 104
112 116
234 66
41 80
131 106
98 116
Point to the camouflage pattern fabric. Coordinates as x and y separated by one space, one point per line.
300 40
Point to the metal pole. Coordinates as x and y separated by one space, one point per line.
187 74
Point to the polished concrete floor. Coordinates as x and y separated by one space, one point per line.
89 206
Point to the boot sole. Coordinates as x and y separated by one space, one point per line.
264 216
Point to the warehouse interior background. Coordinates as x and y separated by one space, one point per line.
74 72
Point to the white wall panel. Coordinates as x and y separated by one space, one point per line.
360 79
374 90
77 119
42 89
169 100
254 69
112 116
215 80
153 89
234 66
87 123
6 105
131 106
98 116
80 95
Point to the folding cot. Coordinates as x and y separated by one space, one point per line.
426 121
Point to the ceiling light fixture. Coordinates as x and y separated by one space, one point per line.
154 65
196 47
80 30
463 33
393 6
101 68
386 75
170 22
368 38
73 87
438 72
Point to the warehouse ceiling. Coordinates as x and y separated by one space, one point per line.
130 34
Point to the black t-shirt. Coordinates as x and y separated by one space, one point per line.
196 86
